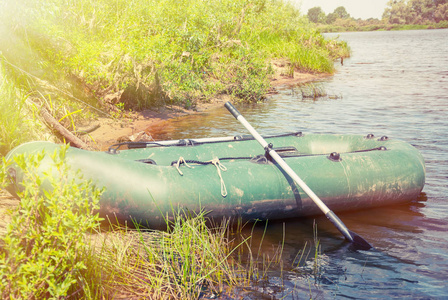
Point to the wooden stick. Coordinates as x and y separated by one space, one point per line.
70 137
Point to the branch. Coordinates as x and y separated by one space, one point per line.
70 137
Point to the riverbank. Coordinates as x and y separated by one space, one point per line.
135 126
65 65
173 59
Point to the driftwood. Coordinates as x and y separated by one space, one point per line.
70 137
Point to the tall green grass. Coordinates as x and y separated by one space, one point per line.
188 261
18 122
182 51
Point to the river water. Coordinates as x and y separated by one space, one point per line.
394 84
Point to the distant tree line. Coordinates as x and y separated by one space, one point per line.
396 12
416 11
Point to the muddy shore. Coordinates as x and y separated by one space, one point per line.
135 126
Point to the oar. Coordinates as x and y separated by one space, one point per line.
357 241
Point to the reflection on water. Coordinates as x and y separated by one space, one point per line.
395 84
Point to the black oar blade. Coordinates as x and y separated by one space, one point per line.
359 243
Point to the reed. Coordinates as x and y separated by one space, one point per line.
188 261
312 91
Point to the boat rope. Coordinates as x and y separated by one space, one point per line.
257 157
181 160
209 162
220 167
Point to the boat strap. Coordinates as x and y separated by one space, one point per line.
219 167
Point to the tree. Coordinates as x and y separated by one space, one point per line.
341 13
331 18
316 14
441 13
397 12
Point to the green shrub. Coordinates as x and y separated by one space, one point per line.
45 243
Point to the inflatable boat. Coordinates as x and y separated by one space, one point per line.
233 177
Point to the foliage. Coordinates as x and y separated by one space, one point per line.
316 14
416 11
159 52
341 13
45 241
399 15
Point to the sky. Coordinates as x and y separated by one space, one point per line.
363 9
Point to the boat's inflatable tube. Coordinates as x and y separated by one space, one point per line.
233 178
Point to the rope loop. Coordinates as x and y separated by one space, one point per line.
220 167
182 160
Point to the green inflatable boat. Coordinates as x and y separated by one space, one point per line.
233 177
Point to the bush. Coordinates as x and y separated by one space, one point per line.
45 244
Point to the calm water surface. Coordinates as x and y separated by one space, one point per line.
395 84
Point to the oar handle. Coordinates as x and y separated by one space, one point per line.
232 110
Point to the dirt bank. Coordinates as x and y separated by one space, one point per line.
134 126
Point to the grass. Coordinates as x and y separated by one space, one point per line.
188 261
18 116
170 51
312 91
54 247
79 59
